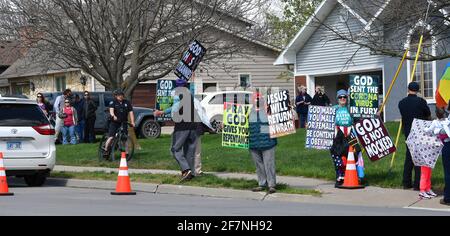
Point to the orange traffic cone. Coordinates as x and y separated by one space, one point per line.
4 191
123 182
351 180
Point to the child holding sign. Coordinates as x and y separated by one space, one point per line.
439 127
262 147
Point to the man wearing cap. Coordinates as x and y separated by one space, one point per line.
119 110
412 107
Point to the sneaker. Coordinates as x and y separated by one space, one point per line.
443 202
187 175
339 183
432 194
258 189
272 190
424 196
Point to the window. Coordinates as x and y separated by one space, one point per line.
425 71
60 83
244 80
21 115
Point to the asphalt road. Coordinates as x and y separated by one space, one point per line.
80 202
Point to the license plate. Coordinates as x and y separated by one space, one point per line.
14 146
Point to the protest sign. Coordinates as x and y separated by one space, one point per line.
321 127
364 93
164 98
235 132
280 115
374 138
190 61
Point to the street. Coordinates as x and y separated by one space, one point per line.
66 201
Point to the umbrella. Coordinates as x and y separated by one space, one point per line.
443 91
425 147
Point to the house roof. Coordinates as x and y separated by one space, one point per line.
10 52
250 39
288 56
35 62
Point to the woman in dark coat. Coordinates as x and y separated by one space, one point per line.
321 99
302 103
45 106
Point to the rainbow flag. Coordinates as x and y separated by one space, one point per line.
443 91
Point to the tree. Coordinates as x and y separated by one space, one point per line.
295 14
389 27
124 42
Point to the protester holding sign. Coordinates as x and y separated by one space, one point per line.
340 148
262 147
185 135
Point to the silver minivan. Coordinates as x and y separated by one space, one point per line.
26 140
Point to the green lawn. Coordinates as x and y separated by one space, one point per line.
292 159
209 181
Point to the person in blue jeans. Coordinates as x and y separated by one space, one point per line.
70 119
79 128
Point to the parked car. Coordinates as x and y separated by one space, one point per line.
213 104
26 140
146 126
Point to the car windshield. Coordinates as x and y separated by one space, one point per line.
22 115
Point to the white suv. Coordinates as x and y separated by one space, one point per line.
213 104
26 140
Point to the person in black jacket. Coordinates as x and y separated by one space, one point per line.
321 99
302 102
412 107
89 116
45 106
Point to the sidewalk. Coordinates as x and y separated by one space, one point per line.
371 196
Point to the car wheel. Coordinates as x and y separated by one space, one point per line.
150 129
36 180
216 123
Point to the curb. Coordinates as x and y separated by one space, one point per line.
151 188
297 182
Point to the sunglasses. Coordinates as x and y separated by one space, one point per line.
343 97
39 96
